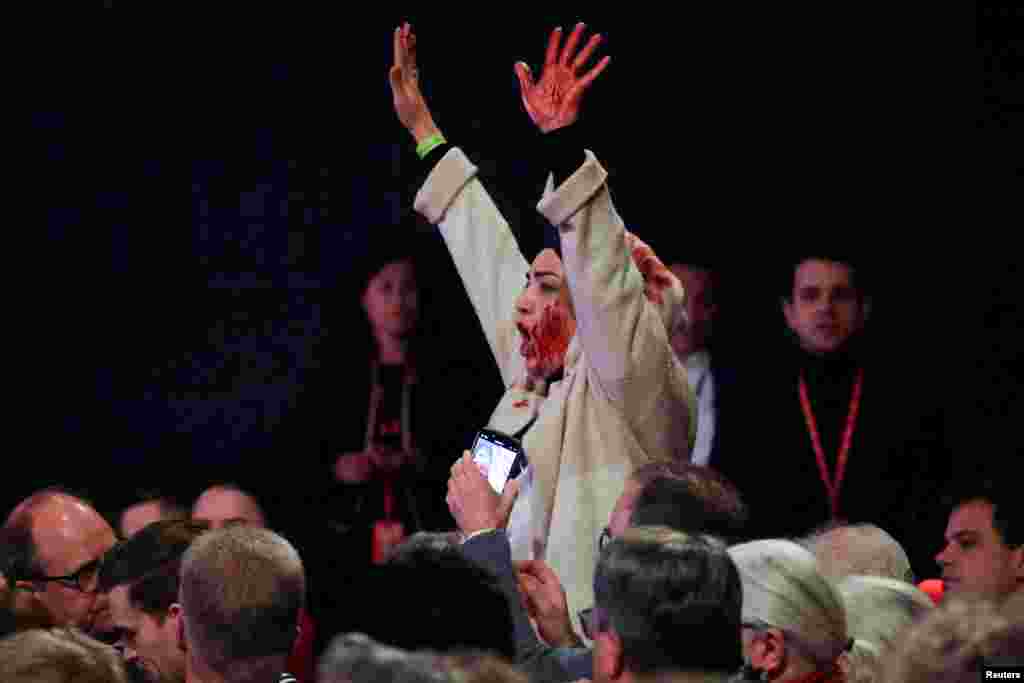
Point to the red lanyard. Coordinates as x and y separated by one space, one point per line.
832 486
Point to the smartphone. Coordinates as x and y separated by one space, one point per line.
501 455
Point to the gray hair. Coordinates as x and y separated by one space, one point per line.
878 610
357 658
858 549
783 589
58 655
241 591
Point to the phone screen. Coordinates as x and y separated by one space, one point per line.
496 458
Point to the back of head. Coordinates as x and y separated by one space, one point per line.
878 610
151 561
859 549
448 602
783 589
58 656
953 643
689 498
673 599
356 658
241 591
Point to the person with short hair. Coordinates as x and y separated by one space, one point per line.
57 541
984 551
794 621
858 549
691 341
677 494
357 658
227 503
60 655
241 590
148 506
840 425
141 577
667 603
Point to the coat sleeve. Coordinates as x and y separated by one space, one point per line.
484 250
623 331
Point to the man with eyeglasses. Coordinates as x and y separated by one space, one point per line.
61 541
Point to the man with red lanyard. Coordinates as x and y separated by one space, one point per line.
836 430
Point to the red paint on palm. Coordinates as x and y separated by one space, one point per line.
552 335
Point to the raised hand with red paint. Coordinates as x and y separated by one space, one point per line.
553 102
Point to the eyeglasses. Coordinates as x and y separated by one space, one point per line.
594 620
85 579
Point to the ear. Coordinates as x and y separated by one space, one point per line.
608 663
1017 557
174 612
789 312
772 652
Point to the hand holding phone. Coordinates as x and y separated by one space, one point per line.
499 457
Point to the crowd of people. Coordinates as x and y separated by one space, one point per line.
676 517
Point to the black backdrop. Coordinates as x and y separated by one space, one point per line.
203 186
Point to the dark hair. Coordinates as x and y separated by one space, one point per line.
150 561
690 498
448 603
170 506
1001 494
673 599
862 281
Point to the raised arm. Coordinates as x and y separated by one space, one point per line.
479 239
626 302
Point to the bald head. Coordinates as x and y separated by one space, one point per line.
227 504
64 537
241 591
860 549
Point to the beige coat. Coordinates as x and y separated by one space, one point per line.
624 399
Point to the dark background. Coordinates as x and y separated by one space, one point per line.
202 190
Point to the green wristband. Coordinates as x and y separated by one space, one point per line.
425 147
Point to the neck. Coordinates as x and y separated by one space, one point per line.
257 670
197 673
391 349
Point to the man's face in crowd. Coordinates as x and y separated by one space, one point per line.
149 641
976 560
70 536
218 507
825 308
700 310
139 516
544 316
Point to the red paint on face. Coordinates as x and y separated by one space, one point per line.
552 335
